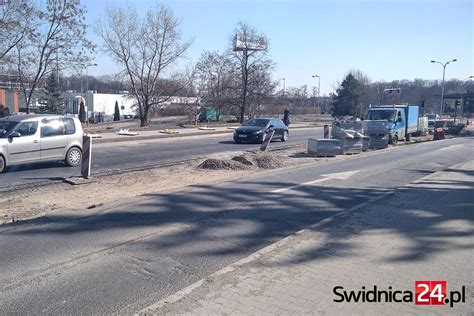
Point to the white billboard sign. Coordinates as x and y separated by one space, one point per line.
249 42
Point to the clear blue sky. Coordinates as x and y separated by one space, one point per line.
387 40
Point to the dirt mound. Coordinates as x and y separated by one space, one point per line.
219 164
245 160
268 162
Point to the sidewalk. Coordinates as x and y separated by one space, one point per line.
424 231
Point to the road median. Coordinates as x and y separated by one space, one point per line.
114 138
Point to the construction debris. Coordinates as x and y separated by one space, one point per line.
169 131
126 132
205 128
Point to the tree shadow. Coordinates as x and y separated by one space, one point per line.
245 218
36 166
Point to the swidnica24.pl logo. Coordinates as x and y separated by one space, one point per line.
428 292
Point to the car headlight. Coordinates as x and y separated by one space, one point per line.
258 132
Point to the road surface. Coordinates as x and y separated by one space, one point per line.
126 155
126 258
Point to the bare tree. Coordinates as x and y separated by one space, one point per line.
57 40
17 21
147 48
218 80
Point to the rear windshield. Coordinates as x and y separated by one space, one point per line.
257 122
6 127
382 115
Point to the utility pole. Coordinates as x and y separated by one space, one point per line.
319 88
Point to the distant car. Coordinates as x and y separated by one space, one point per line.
432 118
39 138
256 129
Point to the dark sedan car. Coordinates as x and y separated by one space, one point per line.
255 130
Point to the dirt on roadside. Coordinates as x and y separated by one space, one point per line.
105 191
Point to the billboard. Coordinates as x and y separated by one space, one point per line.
249 42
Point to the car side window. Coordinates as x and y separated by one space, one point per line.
51 128
69 126
27 128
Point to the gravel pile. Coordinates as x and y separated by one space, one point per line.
268 162
246 161
219 164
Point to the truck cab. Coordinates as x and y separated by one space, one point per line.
401 120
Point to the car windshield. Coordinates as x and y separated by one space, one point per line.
257 122
382 115
6 127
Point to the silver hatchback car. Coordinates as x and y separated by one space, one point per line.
38 138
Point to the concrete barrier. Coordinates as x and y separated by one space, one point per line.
378 142
352 145
324 147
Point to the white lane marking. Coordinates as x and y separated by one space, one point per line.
452 147
325 177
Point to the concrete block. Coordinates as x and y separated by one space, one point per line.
352 145
324 147
378 142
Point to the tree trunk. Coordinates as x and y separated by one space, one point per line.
144 119
245 82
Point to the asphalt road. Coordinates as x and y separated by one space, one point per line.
126 258
126 155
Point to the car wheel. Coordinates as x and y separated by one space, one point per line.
284 138
394 139
73 157
2 164
237 141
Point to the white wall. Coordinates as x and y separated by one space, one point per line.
102 102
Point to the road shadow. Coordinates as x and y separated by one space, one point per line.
36 166
246 219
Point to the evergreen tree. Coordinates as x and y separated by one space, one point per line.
82 113
52 95
347 99
117 112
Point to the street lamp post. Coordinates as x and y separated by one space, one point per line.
87 89
283 87
87 75
319 86
442 84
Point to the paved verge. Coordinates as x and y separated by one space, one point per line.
423 231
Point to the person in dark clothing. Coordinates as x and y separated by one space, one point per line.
286 117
